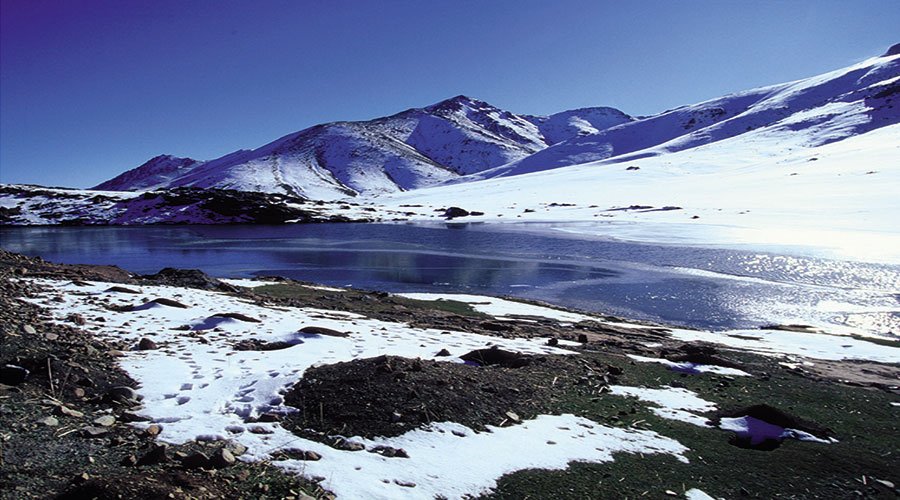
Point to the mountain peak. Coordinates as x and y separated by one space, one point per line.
168 159
457 102
893 51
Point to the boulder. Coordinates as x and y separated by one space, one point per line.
13 375
454 212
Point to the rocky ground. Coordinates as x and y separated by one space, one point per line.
65 405
65 408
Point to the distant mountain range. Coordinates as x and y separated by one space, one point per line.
463 139
821 151
412 149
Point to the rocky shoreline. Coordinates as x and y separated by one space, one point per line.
67 409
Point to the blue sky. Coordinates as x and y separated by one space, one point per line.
89 89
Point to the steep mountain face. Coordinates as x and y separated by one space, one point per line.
157 171
413 149
818 110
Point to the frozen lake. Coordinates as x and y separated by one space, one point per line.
710 288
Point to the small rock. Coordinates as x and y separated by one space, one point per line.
582 338
389 451
236 449
123 393
51 336
452 212
130 461
320 330
116 353
76 319
512 416
28 329
49 421
346 444
553 341
153 430
223 458
167 302
105 421
65 410
311 455
405 484
130 416
396 417
156 455
81 478
443 352
93 431
195 460
147 345
13 375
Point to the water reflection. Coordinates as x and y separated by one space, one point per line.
708 288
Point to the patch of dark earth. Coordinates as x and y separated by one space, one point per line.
390 395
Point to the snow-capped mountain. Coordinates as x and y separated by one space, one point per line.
812 164
157 171
821 109
415 148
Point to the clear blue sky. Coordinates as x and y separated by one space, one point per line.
89 89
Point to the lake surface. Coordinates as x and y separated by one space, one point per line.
699 287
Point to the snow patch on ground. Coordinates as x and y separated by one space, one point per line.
688 367
672 403
695 494
759 430
246 283
809 345
504 308
199 388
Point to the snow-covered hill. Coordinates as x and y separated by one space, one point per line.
821 109
410 150
25 205
813 165
156 172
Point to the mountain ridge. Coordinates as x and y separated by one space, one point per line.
414 148
464 139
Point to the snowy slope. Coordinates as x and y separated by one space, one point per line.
409 150
761 189
822 109
23 205
157 172
567 125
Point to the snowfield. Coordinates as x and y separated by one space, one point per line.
836 200
198 388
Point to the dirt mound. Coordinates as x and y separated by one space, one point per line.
496 356
388 395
